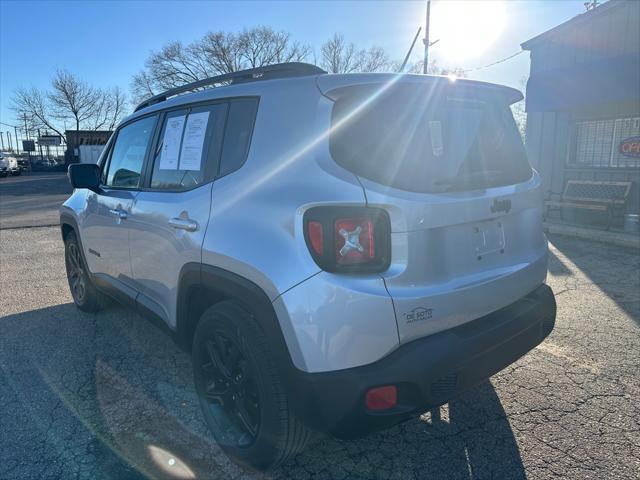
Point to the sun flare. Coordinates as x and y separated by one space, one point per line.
466 28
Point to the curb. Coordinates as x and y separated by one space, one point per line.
627 240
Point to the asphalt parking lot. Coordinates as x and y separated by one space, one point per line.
108 396
29 200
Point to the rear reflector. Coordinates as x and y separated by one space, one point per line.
382 398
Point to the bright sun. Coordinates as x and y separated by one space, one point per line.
465 28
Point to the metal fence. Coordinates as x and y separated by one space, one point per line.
43 157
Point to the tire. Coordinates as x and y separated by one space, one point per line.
246 385
85 295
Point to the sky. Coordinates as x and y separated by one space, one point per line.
107 42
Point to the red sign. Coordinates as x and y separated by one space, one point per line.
630 147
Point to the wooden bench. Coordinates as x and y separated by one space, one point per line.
605 197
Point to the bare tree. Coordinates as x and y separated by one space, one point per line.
338 56
109 109
32 105
519 111
433 69
72 99
69 100
214 54
264 46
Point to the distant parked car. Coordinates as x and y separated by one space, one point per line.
9 165
23 163
4 166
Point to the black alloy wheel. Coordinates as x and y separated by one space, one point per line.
226 381
240 391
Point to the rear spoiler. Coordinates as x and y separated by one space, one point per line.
334 86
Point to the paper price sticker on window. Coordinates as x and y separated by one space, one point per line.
171 143
193 141
435 130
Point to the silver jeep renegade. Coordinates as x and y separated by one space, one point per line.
339 253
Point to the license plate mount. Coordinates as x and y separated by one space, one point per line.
488 237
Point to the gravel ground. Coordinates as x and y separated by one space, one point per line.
108 396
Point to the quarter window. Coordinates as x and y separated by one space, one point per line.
188 147
237 137
129 150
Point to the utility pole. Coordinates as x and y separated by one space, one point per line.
406 59
15 131
2 140
426 39
40 145
26 132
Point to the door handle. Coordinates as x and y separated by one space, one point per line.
184 224
118 212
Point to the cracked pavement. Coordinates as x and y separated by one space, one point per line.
108 396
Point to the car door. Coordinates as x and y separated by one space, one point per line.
105 237
169 216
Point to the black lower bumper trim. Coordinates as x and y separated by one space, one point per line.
427 372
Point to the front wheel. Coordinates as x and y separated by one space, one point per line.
241 396
84 293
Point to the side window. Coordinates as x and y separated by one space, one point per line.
127 156
189 147
237 137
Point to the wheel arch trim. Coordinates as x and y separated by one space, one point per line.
196 277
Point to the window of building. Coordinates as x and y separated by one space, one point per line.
607 143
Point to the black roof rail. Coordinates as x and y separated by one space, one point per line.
278 70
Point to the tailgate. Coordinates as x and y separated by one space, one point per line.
458 257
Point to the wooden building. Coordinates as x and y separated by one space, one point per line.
583 99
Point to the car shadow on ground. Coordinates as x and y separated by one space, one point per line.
614 270
109 396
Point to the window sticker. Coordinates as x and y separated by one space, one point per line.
191 154
171 143
435 130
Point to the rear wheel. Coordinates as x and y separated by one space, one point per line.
240 393
84 293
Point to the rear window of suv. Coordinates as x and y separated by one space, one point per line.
418 139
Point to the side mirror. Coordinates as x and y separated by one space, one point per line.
84 175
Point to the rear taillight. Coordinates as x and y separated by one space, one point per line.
348 239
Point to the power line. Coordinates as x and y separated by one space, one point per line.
494 63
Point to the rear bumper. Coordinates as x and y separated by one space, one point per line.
427 372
